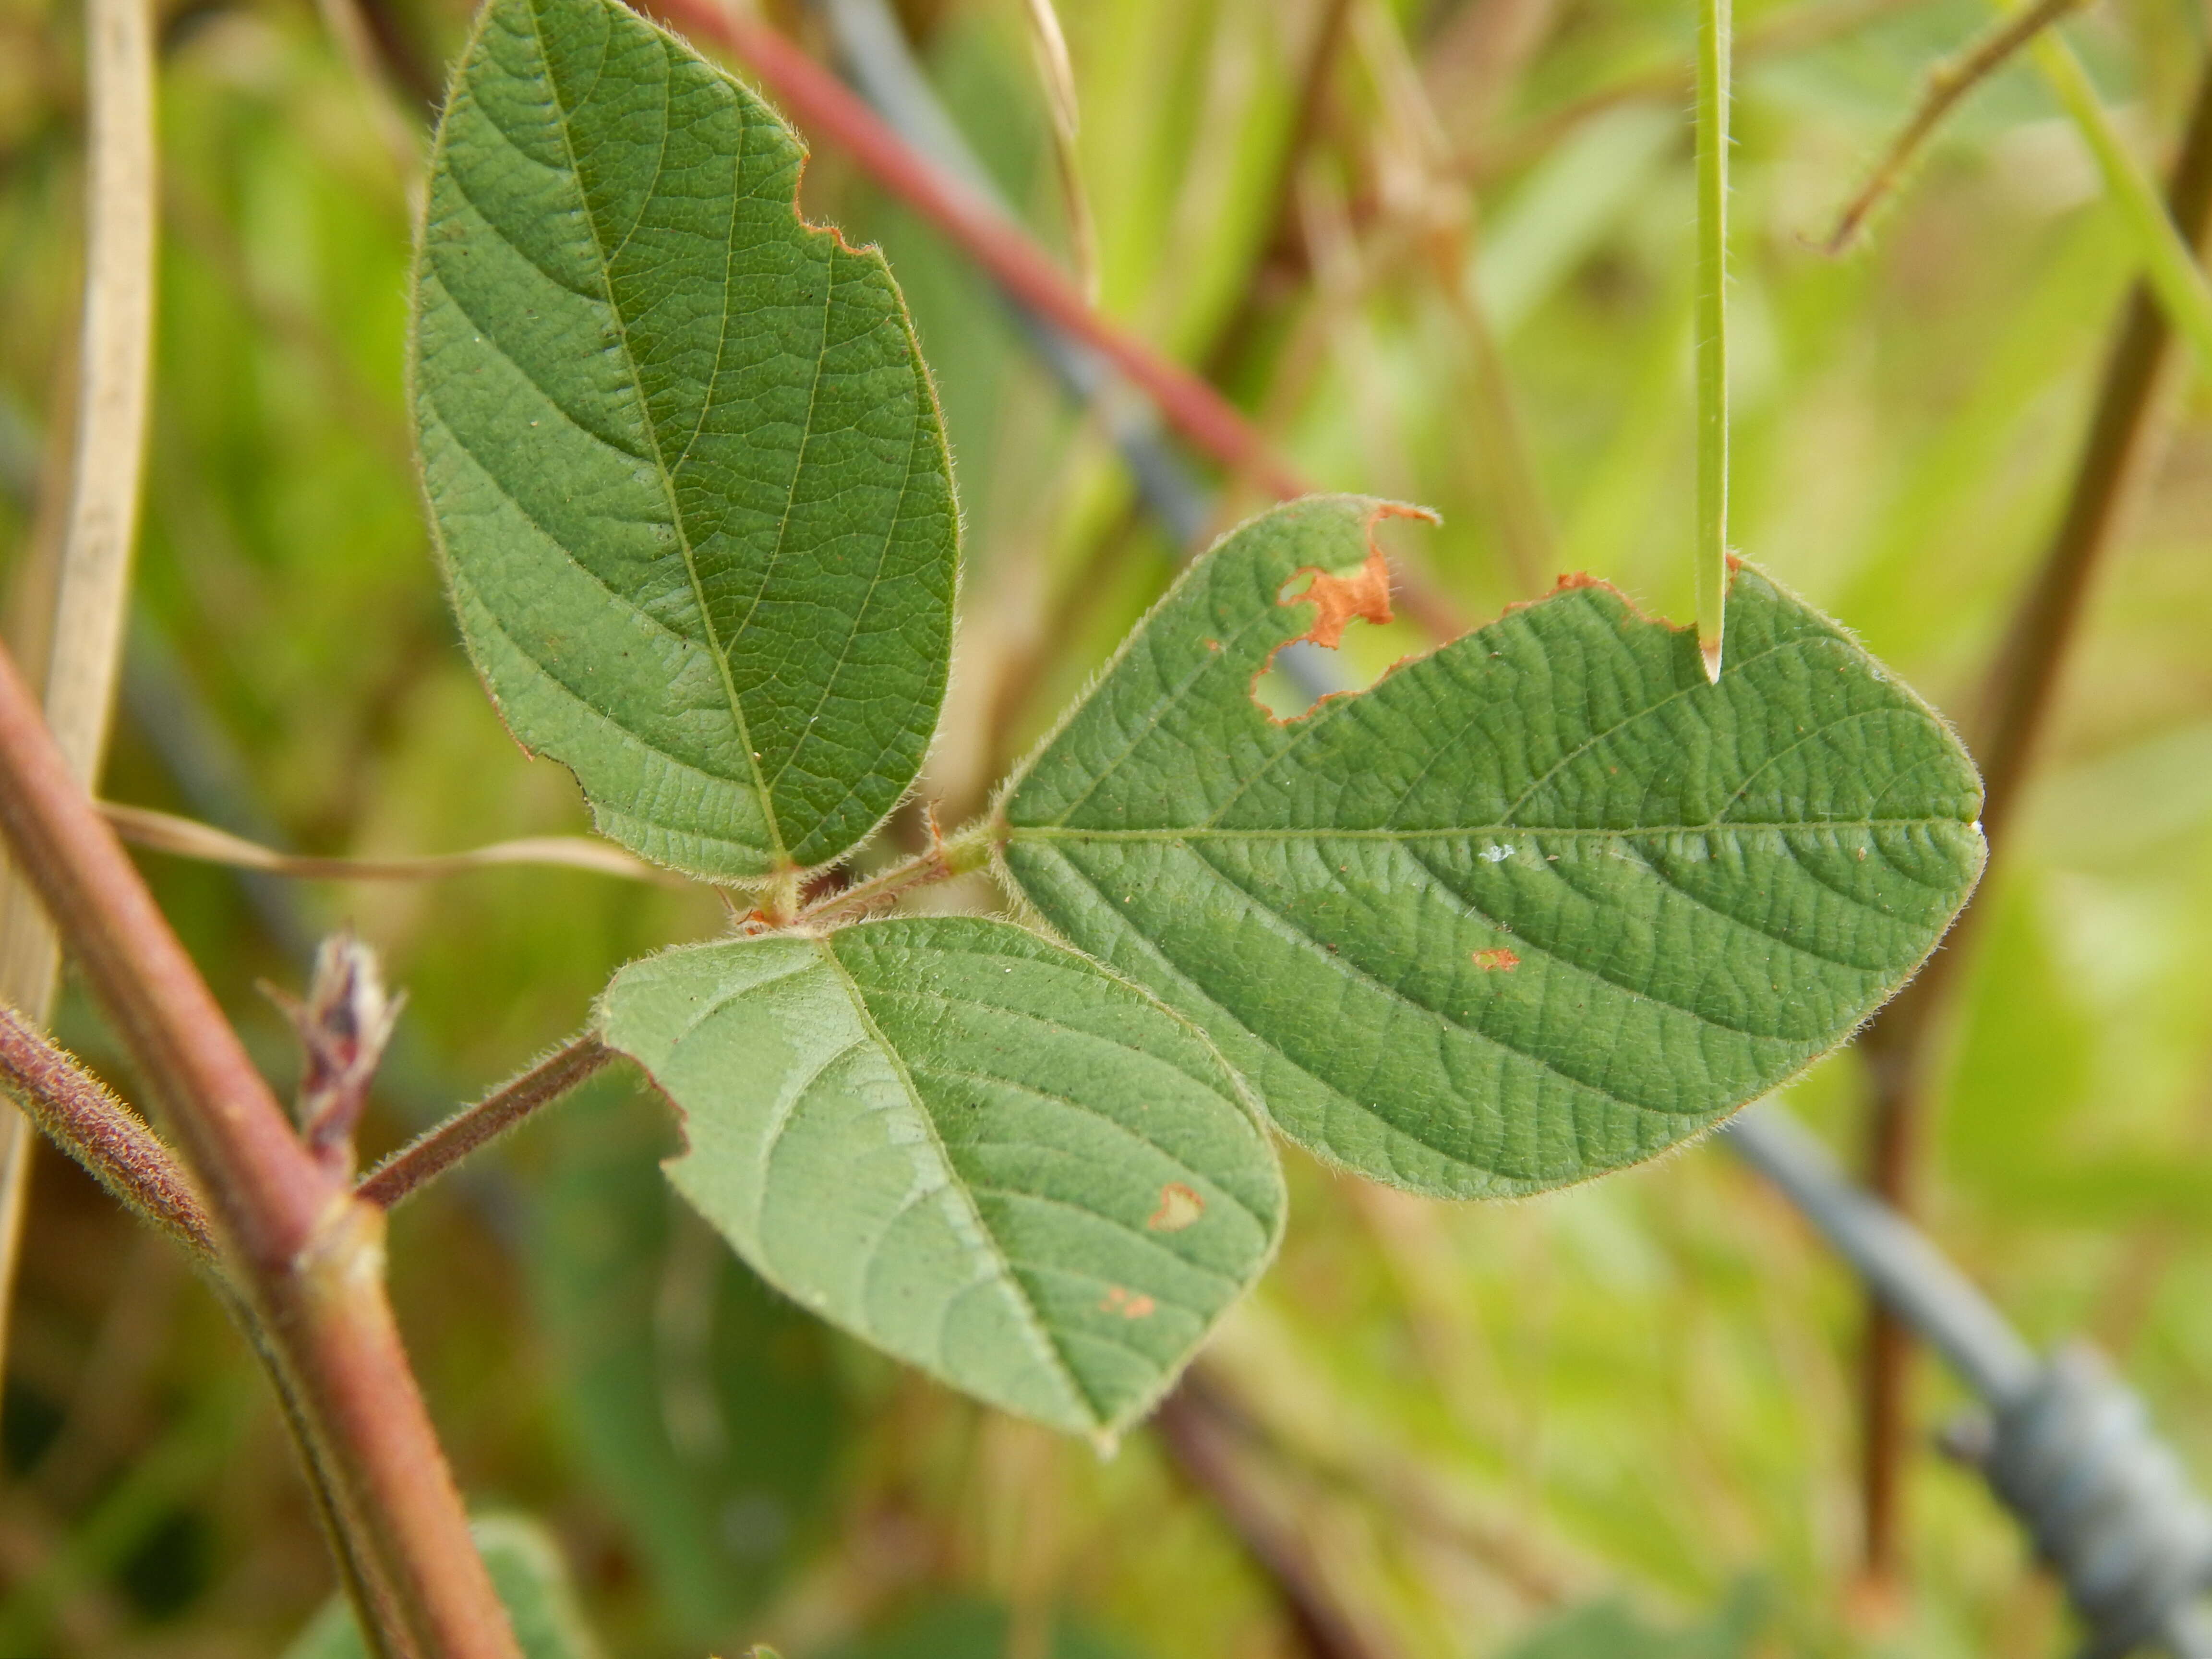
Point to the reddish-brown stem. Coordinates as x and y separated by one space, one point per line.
1202 1442
2015 705
822 105
305 1255
430 1156
99 1132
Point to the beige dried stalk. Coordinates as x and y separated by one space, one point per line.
85 635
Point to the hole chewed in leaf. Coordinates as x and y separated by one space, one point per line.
1364 594
1677 861
1290 688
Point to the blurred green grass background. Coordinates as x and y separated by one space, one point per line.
1617 1421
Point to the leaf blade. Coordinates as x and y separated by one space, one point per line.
966 1144
1533 906
685 467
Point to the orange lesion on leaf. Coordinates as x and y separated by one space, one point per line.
1363 594
1340 599
1497 960
1180 1206
1130 1305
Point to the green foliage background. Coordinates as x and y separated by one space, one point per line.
1486 1418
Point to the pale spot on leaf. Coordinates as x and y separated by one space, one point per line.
1179 1207
1130 1305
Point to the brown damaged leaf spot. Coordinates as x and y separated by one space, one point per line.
1499 960
1364 594
1130 1305
1340 599
1180 1206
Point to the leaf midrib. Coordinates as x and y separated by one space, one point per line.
779 853
1006 1273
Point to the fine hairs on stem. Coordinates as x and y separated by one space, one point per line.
438 1149
1948 86
101 1133
302 1256
1714 30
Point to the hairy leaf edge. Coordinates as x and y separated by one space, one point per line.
870 251
1378 508
1105 1434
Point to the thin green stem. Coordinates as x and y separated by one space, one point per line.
1714 33
2169 267
1947 85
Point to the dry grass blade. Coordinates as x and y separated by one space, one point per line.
114 377
1058 72
1947 85
187 838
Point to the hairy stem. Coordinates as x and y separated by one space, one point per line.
430 1155
1946 85
114 376
2016 700
945 857
1714 41
2170 264
305 1255
823 105
92 1126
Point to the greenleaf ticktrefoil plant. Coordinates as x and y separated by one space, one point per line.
1541 903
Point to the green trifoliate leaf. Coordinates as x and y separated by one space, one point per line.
967 1145
1536 905
682 457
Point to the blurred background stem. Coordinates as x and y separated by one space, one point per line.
2126 438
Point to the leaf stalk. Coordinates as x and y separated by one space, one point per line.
965 850
431 1154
